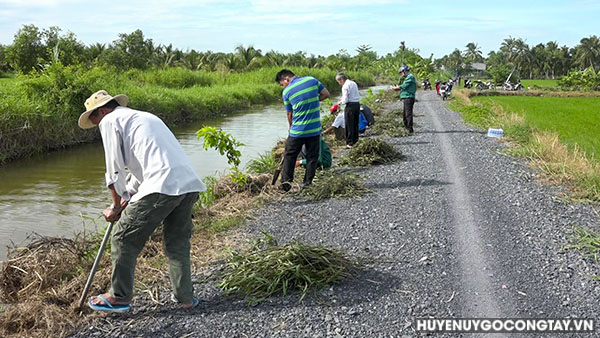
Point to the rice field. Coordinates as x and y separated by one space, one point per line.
575 119
540 83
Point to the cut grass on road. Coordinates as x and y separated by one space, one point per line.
575 119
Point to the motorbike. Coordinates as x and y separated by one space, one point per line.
426 85
445 90
468 84
480 85
508 86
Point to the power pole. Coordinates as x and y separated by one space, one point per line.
402 48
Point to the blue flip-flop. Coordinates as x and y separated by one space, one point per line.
195 301
107 306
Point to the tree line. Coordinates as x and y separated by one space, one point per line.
34 48
542 61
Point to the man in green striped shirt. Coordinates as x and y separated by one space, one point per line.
301 96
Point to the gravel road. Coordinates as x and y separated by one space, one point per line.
456 230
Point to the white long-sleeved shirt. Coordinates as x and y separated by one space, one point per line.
140 143
349 92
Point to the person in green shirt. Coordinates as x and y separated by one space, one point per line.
408 88
324 161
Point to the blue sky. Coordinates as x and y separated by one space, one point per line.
319 27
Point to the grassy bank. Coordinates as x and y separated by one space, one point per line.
555 133
39 112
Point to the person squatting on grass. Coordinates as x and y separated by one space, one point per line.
138 144
301 96
408 88
339 122
351 98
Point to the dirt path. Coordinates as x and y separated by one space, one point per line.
479 298
456 230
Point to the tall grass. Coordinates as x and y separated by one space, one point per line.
39 112
538 134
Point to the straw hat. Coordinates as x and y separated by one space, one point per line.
97 100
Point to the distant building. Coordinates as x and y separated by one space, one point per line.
477 69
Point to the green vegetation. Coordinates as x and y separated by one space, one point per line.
578 80
330 184
268 269
389 124
587 241
264 164
528 128
371 151
570 117
216 225
39 112
540 84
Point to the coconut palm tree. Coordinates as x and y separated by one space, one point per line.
588 52
473 52
248 56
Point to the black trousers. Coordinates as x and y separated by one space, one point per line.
351 116
408 113
293 146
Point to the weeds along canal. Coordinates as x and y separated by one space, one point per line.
61 193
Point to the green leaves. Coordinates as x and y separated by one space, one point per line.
223 142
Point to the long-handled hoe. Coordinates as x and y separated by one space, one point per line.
95 266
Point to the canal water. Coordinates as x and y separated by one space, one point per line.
63 192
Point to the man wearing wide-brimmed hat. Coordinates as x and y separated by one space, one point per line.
139 145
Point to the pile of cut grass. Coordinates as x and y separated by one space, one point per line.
330 184
390 124
371 151
268 269
42 283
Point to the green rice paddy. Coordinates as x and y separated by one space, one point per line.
575 119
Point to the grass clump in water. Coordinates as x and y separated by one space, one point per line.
371 151
329 184
268 269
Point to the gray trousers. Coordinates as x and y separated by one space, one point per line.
137 223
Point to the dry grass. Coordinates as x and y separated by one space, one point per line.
561 165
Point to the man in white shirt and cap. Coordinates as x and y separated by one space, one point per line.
139 145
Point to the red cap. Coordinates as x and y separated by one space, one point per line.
334 108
